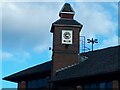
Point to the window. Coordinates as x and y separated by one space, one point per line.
98 86
108 85
93 86
40 83
87 87
102 86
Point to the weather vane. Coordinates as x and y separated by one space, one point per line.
92 41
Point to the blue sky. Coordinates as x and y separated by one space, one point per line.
26 25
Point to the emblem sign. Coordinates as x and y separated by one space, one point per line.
66 36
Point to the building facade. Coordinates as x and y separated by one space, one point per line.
69 69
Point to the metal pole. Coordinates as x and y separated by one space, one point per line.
92 44
92 41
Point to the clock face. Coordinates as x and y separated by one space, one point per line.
66 36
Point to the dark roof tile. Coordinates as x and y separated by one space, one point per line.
66 22
41 68
99 62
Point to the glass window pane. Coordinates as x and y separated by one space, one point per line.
108 85
102 86
86 87
98 86
38 83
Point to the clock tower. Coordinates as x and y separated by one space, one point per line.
65 39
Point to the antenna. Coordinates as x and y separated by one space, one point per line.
92 41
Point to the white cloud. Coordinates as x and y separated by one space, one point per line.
0 43
97 0
22 56
61 1
27 25
18 56
113 41
0 24
33 1
41 48
6 55
97 22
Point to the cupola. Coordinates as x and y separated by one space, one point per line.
67 11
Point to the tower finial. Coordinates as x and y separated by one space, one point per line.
66 11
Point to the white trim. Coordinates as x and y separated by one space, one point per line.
61 69
67 12
68 25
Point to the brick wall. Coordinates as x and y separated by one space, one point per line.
62 56
22 85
